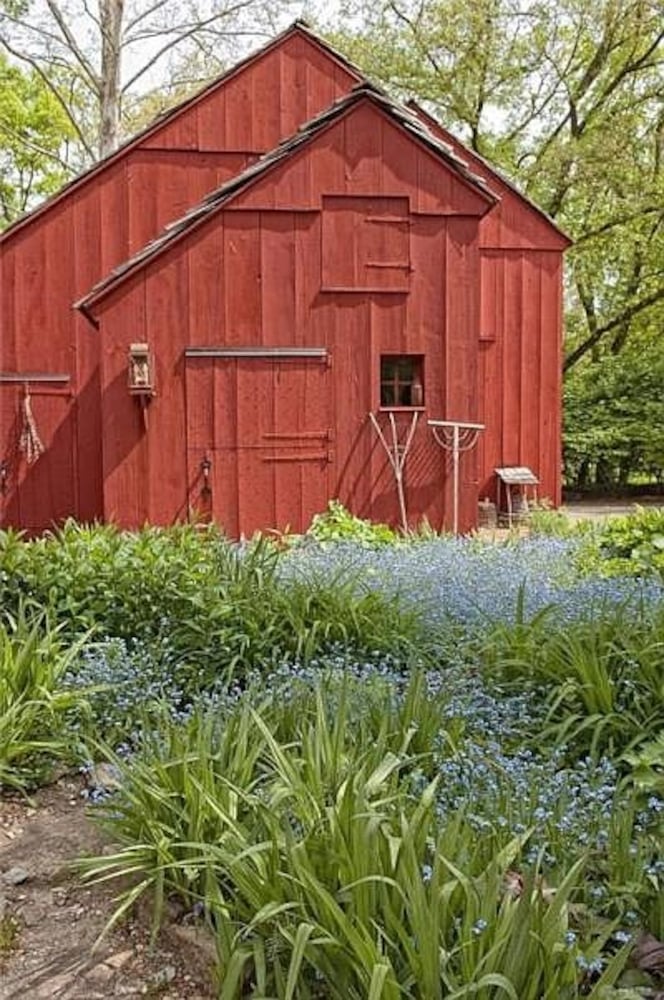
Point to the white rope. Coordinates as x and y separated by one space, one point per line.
30 443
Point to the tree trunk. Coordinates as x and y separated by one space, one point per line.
111 14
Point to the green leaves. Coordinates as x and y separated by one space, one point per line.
215 608
34 705
33 132
323 874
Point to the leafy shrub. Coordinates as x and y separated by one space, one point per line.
648 765
547 520
122 584
602 678
338 524
35 705
635 543
210 607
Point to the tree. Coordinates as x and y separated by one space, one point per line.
34 134
614 416
94 55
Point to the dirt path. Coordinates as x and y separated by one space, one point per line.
56 921
597 510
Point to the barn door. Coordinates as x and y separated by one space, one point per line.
258 438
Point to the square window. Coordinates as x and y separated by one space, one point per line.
401 380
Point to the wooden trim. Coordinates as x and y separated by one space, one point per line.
273 353
20 378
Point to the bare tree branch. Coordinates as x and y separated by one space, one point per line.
72 44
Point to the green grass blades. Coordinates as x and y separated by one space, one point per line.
214 608
320 874
34 705
602 678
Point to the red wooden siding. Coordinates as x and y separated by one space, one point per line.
255 109
520 332
257 274
366 244
520 366
363 241
265 426
51 260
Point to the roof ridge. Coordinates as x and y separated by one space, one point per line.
215 199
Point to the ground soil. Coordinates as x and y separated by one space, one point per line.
59 920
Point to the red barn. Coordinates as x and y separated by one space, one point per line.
350 272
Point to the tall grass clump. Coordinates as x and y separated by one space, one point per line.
314 835
35 704
601 677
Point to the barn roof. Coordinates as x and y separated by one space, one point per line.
167 117
201 212
475 159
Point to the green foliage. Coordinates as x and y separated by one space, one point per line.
338 524
647 765
614 415
546 520
635 543
10 932
33 133
35 706
322 876
219 608
601 679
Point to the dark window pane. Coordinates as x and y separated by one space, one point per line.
401 380
387 394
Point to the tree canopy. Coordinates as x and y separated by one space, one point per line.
34 136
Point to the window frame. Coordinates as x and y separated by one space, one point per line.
400 384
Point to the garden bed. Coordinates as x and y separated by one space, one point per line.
360 767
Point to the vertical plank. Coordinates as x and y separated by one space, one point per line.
462 309
277 278
241 264
530 375
511 373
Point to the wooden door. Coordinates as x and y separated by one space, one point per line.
258 440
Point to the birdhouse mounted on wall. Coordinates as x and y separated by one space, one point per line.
141 370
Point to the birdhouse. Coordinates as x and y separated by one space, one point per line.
141 370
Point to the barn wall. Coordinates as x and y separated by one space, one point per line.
255 109
521 334
520 366
283 437
53 260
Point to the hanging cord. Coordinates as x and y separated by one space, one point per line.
30 444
